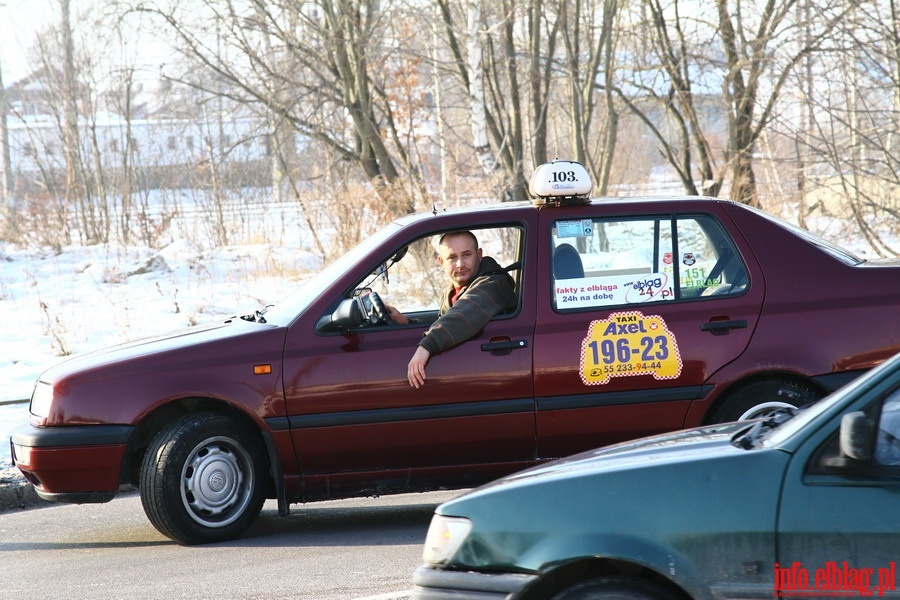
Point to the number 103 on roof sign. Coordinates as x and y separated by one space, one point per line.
626 344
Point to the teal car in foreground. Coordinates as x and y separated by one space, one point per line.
804 506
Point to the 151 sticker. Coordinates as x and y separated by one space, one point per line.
629 343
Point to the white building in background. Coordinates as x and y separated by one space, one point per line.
159 148
36 142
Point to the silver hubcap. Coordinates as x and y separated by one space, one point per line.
216 482
763 410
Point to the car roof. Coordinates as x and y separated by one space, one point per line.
627 203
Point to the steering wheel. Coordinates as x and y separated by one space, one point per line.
380 314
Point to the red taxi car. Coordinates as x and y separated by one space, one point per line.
634 317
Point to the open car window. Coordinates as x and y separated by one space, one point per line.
412 281
416 282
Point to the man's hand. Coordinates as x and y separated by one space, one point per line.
415 372
397 316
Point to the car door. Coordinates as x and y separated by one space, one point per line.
357 423
639 306
839 526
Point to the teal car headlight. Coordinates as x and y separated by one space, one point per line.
445 536
41 399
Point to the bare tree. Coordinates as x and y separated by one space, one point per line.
350 102
589 31
75 186
336 56
505 69
7 195
850 140
752 49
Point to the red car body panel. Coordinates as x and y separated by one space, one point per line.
76 469
339 418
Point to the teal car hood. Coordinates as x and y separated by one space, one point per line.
671 502
641 453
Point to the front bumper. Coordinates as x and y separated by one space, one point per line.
435 584
71 464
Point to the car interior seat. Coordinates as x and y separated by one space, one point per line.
567 263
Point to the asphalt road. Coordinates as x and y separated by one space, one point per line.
340 550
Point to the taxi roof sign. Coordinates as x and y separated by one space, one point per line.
563 181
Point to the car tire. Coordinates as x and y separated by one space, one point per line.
614 588
202 479
760 398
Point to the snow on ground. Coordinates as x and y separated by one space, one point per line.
86 298
90 297
58 304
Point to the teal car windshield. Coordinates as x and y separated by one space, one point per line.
779 436
288 309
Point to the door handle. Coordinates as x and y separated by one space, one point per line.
723 325
506 345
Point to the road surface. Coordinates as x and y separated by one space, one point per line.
340 550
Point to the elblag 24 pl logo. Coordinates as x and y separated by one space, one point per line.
833 580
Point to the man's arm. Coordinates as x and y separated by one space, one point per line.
485 298
415 372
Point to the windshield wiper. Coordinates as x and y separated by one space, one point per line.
257 316
748 438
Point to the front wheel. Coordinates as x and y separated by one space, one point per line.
761 399
201 479
613 588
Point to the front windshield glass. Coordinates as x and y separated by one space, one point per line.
778 436
285 311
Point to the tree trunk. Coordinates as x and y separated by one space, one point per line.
7 195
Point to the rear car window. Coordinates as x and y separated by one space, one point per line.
632 261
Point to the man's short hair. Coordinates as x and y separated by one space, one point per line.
465 232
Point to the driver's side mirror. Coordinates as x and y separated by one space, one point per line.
348 315
856 436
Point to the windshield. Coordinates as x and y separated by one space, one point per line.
285 311
777 437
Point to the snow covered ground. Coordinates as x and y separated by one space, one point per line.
57 304
88 297
85 298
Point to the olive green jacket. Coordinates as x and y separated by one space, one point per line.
491 292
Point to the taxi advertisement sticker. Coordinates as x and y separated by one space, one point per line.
629 343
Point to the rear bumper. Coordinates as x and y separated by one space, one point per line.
435 584
71 464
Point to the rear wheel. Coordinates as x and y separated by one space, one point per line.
201 479
614 588
762 398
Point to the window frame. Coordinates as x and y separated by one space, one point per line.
424 317
720 239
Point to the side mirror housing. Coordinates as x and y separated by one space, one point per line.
348 315
856 436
